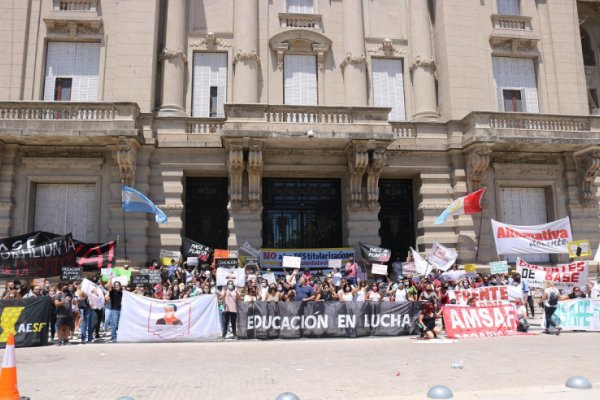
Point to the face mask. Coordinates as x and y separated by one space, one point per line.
347 290
428 290
280 289
264 285
230 287
375 289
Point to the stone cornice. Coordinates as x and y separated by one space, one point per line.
168 54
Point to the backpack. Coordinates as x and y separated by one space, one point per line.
553 298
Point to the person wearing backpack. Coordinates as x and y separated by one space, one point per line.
550 299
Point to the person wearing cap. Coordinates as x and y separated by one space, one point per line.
351 271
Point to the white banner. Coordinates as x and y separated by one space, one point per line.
578 315
442 257
564 276
144 319
291 262
546 238
94 293
486 294
237 275
379 269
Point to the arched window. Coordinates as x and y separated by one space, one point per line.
589 57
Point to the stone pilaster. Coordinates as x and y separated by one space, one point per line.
423 63
8 156
246 60
126 155
235 166
588 165
376 164
358 160
174 60
478 161
354 65
254 167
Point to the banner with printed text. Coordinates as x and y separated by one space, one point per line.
95 256
564 276
463 322
27 319
578 315
311 258
267 320
486 294
195 249
545 238
145 319
237 275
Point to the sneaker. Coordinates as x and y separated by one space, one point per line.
547 331
558 330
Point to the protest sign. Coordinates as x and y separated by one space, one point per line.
334 263
464 322
374 254
140 280
498 267
226 262
454 276
578 315
291 262
470 267
545 238
166 256
409 268
192 261
269 277
442 257
145 319
485 294
564 276
27 319
194 249
123 280
379 269
94 292
38 281
267 320
106 274
154 275
237 275
579 248
311 258
70 274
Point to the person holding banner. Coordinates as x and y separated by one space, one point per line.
351 271
115 295
429 329
550 299
230 297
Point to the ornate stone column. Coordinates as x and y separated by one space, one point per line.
127 159
236 169
588 165
478 161
376 164
246 60
354 65
254 168
174 60
423 63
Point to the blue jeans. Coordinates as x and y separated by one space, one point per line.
87 324
114 323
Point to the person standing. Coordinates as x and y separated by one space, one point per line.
303 291
64 313
115 295
230 298
550 299
351 271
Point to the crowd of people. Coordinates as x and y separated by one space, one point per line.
96 314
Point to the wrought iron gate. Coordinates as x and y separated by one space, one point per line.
206 211
396 216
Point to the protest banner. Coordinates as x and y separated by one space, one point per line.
498 267
379 269
27 319
237 275
442 257
486 294
145 319
311 258
578 315
226 262
579 248
409 268
94 256
194 249
545 238
154 275
334 263
464 322
291 262
70 274
94 292
564 276
267 320
374 254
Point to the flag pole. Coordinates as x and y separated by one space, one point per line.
480 221
124 225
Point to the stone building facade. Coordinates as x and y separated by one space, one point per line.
299 123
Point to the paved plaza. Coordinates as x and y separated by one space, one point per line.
399 368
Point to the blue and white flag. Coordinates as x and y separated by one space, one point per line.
132 200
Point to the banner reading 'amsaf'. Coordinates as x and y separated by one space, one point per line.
545 238
463 322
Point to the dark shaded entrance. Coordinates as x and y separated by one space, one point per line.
397 217
206 211
301 213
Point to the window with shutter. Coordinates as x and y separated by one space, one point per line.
524 206
300 75
509 7
388 86
67 208
516 74
209 86
79 62
300 6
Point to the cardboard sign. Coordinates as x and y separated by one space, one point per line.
499 267
123 280
292 262
106 274
39 282
141 280
470 267
409 268
379 269
154 275
70 274
464 322
227 262
336 263
579 248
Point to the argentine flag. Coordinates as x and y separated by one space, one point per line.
132 200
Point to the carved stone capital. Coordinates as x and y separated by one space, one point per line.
349 59
588 165
478 161
358 160
235 166
255 168
376 163
168 54
243 56
126 154
387 49
210 41
280 48
424 63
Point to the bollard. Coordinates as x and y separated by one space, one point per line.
440 392
287 396
578 382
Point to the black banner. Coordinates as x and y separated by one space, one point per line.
374 254
194 249
316 319
27 318
227 262
38 254
94 256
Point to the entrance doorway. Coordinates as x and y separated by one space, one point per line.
206 211
396 216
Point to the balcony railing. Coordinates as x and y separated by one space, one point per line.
204 125
539 122
45 110
289 20
75 5
512 22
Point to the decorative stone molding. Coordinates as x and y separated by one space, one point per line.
320 49
300 41
169 54
588 165
210 41
388 49
246 56
235 167
6 205
254 168
127 159
513 44
478 161
280 48
349 59
424 63
59 162
171 206
376 164
358 160
73 27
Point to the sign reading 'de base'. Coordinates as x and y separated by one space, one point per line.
564 276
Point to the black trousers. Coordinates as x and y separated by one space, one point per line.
531 305
229 318
548 313
99 318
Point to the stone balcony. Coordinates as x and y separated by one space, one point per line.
78 123
293 20
513 32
